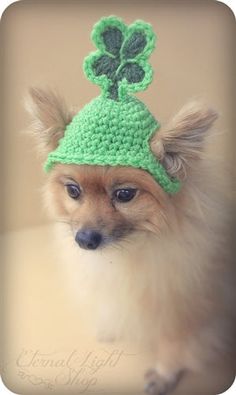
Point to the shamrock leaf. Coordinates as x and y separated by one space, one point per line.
134 45
132 72
105 65
113 39
120 64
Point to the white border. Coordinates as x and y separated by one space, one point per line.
4 390
3 5
231 4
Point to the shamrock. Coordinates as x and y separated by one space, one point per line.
120 64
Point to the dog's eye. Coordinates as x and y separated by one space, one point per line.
124 195
73 191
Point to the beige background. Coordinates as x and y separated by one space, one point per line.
44 43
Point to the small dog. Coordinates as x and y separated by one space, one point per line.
157 266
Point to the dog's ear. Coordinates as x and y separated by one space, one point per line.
50 117
181 142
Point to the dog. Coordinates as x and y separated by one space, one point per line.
156 267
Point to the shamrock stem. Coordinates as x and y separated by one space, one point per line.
113 90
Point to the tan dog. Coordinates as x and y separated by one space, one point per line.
162 272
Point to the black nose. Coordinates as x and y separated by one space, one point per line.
88 239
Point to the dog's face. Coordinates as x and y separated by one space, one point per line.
105 205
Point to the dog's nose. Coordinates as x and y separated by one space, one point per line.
88 239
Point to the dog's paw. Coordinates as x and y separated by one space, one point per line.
157 384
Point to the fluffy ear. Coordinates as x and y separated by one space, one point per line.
50 117
181 142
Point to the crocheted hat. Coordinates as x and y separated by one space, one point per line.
115 128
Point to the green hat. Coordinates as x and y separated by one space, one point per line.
115 128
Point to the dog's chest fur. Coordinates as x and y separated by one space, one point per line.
145 288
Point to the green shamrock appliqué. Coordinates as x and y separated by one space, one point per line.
120 64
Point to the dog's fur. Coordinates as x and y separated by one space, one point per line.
163 275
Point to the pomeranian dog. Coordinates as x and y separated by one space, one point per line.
156 268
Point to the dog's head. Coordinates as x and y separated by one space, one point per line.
106 204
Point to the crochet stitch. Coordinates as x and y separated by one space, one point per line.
115 128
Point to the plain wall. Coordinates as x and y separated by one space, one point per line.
43 43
